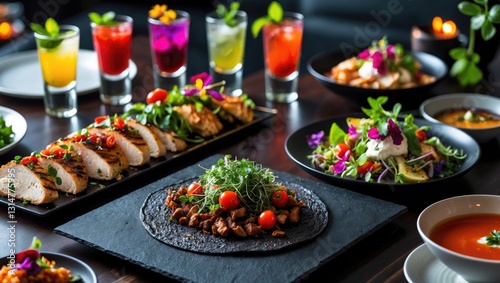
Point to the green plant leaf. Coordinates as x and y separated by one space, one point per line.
258 24
488 30
494 14
458 67
474 58
95 18
275 12
469 8
476 22
52 27
39 29
470 76
106 19
458 53
482 2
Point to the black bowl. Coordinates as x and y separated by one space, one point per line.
298 151
321 64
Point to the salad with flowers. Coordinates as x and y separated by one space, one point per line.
384 149
381 66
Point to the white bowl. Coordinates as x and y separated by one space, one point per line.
432 106
470 268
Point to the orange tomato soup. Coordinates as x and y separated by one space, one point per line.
454 117
461 235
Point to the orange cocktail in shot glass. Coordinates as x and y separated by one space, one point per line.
282 48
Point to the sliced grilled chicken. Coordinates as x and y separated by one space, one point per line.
103 162
171 142
131 142
72 174
30 183
236 107
205 122
156 147
133 145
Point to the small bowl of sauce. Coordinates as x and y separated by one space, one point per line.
476 114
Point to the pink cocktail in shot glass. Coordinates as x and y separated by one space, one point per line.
169 49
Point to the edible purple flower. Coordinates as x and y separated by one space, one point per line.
390 52
395 132
378 62
340 166
201 86
373 133
353 132
364 55
314 140
30 265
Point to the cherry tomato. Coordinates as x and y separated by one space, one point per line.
229 200
156 95
119 123
58 152
94 139
421 135
279 198
99 119
27 160
340 149
110 141
267 220
365 167
195 189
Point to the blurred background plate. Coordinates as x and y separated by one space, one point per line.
321 64
21 75
19 127
298 150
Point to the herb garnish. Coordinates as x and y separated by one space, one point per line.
51 29
274 14
494 239
253 184
106 19
6 133
228 14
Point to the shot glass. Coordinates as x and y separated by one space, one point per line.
169 50
282 48
58 58
112 45
226 50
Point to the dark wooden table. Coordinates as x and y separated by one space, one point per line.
378 258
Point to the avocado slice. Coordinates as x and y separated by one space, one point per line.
409 173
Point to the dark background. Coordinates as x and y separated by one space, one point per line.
328 24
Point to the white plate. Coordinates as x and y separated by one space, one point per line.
21 76
421 266
19 127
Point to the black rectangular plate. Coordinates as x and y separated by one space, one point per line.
116 228
65 201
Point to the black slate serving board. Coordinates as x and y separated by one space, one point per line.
116 228
95 187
